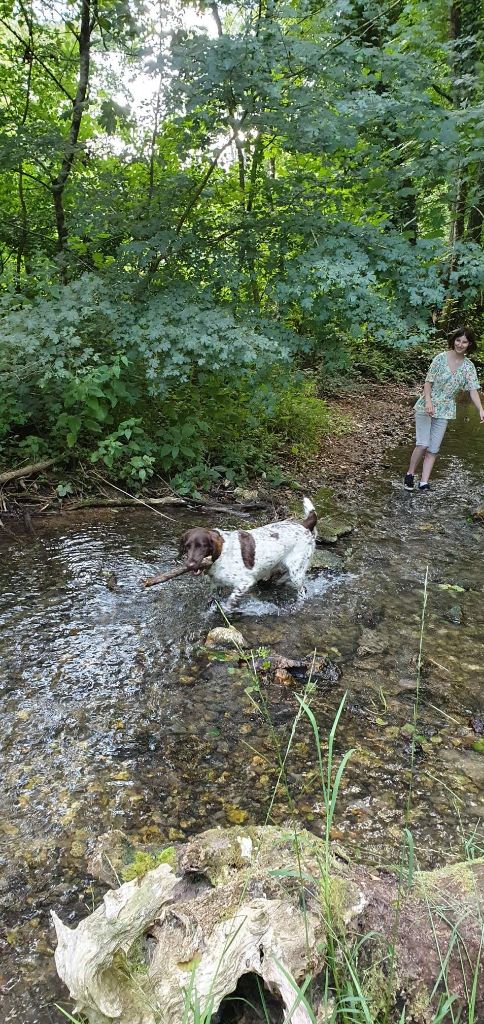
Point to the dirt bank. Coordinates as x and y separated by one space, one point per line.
380 417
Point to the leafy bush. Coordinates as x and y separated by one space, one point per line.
174 383
136 384
385 363
127 451
302 418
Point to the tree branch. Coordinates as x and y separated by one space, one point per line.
441 92
26 174
155 263
35 57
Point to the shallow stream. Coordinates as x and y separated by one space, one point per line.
112 717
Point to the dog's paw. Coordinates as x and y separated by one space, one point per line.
300 598
227 607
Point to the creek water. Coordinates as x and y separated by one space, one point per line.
113 717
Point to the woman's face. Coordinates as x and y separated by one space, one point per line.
461 344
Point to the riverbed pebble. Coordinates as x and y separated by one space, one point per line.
223 637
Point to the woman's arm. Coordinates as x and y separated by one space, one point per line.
476 398
429 409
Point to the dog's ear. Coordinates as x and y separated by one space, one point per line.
182 543
216 544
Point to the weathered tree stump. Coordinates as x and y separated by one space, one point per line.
253 900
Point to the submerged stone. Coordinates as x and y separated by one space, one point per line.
477 724
225 638
326 560
331 528
455 615
371 643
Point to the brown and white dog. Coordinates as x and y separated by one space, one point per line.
240 558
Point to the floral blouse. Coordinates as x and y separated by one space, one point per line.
445 385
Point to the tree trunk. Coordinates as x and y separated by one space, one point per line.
476 212
59 182
22 241
464 33
276 904
154 135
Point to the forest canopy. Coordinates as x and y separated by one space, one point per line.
210 210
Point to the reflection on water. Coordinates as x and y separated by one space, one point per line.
114 718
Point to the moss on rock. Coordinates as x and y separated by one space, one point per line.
144 861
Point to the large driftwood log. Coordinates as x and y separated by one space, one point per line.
30 470
237 901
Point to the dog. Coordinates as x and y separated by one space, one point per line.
241 558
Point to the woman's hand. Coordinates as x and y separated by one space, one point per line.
429 409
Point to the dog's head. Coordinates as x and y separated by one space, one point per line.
200 543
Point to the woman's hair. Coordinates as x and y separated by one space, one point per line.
468 333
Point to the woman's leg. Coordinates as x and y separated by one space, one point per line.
422 431
437 431
416 456
428 465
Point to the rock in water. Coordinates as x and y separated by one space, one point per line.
371 643
331 528
225 638
455 615
324 559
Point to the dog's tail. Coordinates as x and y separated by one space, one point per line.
311 516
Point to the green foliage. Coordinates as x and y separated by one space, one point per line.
68 1016
115 378
302 419
127 451
64 488
285 194
386 363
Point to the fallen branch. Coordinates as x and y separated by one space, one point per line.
138 501
179 570
30 470
27 496
74 506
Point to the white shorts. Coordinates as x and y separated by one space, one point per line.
430 431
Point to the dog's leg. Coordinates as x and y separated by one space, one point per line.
296 568
238 592
296 580
300 598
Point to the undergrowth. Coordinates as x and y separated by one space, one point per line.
212 428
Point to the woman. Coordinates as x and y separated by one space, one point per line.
449 373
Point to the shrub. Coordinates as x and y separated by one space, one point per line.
302 418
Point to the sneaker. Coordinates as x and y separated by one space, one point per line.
424 487
408 482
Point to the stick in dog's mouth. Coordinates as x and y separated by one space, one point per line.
172 574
